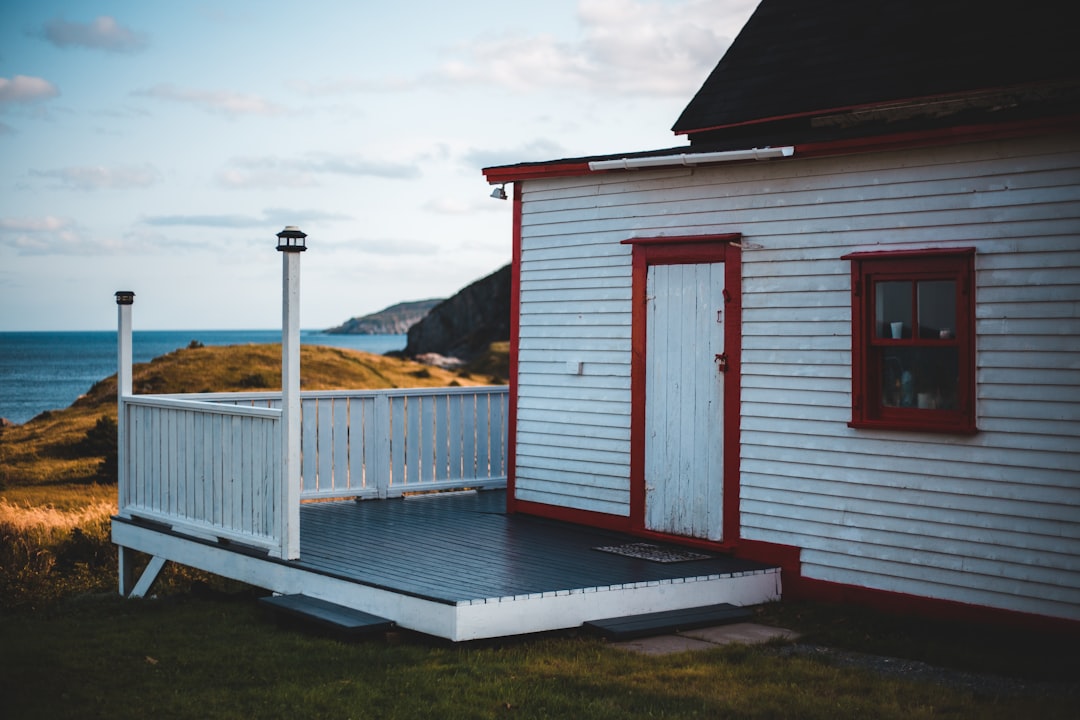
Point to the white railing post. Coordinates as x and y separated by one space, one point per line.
291 242
124 300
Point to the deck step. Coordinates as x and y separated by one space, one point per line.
327 614
660 623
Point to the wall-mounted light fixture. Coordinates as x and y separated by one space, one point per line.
499 193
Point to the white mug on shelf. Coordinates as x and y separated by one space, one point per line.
897 329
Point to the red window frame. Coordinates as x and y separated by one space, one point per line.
873 349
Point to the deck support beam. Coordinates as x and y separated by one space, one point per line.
126 561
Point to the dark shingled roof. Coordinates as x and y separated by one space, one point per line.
805 58
818 71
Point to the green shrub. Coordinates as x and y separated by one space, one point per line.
100 441
254 380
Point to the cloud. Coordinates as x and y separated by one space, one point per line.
270 218
274 172
226 103
99 177
351 85
26 89
53 235
534 151
396 247
286 216
457 206
638 47
102 33
44 235
214 221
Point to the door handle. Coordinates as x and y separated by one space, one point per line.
721 360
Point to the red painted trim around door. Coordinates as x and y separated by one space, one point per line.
515 312
673 251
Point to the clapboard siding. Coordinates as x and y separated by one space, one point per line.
993 518
573 430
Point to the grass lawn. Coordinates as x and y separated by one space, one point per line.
221 656
70 648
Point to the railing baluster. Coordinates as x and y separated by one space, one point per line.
358 443
380 447
325 450
211 460
340 444
309 444
398 441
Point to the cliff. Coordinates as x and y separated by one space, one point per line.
463 326
394 320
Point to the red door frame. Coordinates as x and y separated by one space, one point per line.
676 251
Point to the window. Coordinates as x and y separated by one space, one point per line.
913 340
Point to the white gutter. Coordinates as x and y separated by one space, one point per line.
692 159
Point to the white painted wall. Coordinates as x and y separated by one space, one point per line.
992 519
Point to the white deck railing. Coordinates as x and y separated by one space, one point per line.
214 469
210 463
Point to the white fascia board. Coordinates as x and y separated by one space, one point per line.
693 158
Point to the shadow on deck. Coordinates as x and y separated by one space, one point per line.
458 567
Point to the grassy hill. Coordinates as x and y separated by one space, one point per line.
52 458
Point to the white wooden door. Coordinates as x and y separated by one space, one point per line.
684 422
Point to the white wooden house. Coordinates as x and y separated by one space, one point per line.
840 329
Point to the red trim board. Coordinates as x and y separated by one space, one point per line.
515 315
677 250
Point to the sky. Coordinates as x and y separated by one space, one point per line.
159 147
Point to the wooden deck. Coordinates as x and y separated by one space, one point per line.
458 567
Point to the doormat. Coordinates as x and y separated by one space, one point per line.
653 553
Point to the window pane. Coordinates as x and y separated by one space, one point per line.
893 314
926 378
937 309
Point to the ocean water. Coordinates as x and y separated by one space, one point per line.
50 370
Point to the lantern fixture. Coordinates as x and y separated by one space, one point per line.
292 239
125 297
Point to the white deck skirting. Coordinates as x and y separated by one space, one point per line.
498 617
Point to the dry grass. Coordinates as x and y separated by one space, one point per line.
50 449
49 521
47 553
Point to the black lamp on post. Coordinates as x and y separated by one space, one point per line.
292 239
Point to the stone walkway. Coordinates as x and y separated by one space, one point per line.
706 638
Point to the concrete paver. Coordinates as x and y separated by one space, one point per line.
705 639
663 645
748 633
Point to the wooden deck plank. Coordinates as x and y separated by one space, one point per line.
465 548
